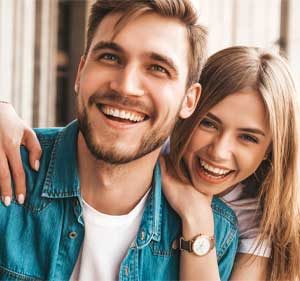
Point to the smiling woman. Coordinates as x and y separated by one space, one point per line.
225 150
241 143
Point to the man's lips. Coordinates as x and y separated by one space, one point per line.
121 114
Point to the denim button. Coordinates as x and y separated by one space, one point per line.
143 235
72 234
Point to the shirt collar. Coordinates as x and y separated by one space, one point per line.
151 222
62 175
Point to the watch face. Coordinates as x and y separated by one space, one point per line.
201 246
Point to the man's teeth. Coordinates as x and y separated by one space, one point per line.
214 170
123 114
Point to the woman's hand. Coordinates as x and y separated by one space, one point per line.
193 207
196 214
13 133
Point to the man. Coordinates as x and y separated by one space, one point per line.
95 210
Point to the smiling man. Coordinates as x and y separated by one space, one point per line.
131 94
95 209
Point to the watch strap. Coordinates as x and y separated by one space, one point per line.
185 244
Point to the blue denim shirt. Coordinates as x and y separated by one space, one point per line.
41 239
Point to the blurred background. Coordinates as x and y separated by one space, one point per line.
41 42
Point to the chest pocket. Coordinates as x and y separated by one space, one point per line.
9 275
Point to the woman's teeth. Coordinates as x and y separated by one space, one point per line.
213 171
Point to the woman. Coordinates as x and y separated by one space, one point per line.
241 143
242 138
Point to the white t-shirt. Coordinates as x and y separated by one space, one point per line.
248 214
106 242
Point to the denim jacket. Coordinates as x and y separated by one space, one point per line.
41 239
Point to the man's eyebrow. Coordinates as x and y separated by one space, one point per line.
214 117
107 45
165 60
249 130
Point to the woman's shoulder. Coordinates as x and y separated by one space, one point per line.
246 209
249 214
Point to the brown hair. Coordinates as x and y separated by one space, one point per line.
179 9
235 69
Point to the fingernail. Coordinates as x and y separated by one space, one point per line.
6 200
21 198
37 165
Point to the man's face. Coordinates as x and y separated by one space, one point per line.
131 86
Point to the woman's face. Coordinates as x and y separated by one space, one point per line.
229 144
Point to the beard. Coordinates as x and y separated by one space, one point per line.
152 140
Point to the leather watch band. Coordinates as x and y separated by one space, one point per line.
185 245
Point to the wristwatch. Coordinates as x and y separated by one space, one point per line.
200 245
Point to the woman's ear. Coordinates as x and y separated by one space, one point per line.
190 101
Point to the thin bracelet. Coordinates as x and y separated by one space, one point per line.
6 102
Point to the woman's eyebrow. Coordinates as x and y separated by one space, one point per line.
249 130
253 130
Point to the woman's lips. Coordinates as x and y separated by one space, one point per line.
211 173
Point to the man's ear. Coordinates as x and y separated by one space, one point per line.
77 80
190 101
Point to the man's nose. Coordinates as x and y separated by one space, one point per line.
221 148
128 81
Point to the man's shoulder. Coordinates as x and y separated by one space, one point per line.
226 231
47 136
57 172
222 210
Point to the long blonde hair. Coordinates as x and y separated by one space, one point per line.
232 70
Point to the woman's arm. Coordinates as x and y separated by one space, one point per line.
189 203
13 133
194 209
248 268
193 267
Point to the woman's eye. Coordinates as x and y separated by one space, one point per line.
249 138
206 123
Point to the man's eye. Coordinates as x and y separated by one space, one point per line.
159 68
206 123
110 57
249 138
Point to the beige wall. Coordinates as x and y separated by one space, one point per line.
233 22
28 33
294 40
28 43
17 54
256 23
